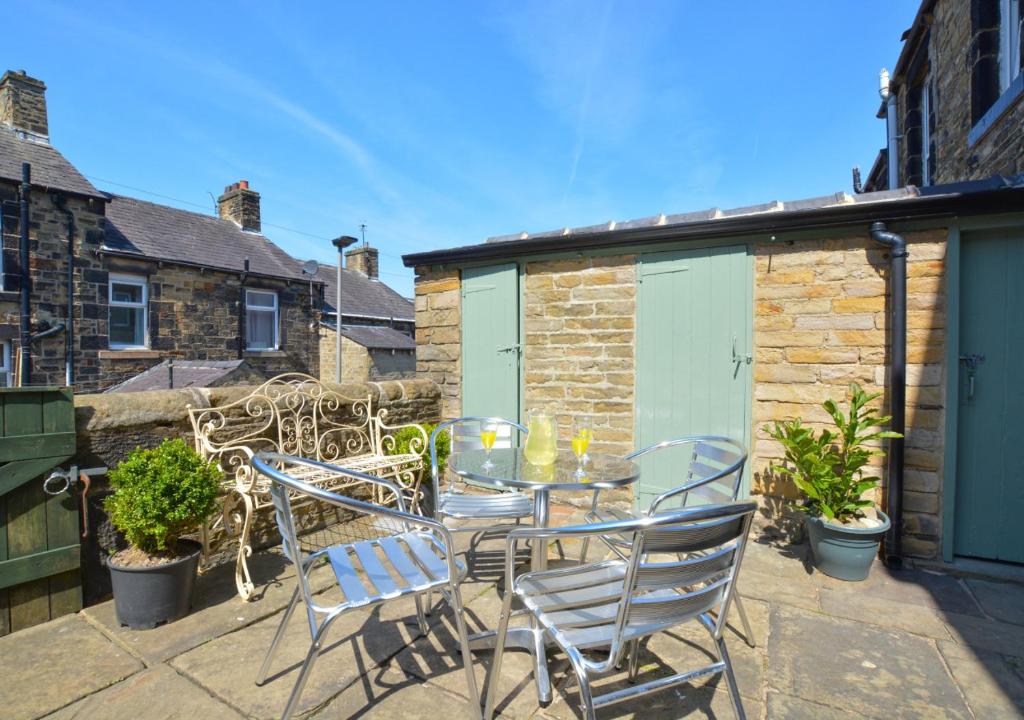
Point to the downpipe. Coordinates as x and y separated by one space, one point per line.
893 545
69 351
25 339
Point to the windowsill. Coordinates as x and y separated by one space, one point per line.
129 354
265 353
999 108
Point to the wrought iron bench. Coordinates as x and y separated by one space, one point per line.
295 414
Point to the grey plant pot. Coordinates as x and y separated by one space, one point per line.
145 597
842 552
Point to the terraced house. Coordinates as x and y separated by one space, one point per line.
116 285
722 320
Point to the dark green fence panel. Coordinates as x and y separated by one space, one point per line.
39 533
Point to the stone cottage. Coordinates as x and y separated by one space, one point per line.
147 282
377 323
720 321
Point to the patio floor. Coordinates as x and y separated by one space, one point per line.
904 644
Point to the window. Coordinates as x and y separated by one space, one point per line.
6 376
261 320
1009 42
128 316
996 62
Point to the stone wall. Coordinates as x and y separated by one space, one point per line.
821 322
580 345
439 334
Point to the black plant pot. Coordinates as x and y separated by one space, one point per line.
145 597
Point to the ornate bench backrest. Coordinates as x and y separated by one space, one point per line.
293 414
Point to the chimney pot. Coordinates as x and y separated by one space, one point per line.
244 184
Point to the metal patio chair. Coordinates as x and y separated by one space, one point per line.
713 475
465 435
416 558
683 565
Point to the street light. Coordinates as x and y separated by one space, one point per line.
341 243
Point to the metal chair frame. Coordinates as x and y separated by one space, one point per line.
412 554
509 505
617 603
733 460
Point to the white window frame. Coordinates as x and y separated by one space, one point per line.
261 308
926 131
143 306
5 359
1009 43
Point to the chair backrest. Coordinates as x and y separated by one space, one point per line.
464 434
713 474
684 563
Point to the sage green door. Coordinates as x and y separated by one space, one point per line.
490 341
990 443
693 355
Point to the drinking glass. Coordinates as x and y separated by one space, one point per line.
582 433
488 434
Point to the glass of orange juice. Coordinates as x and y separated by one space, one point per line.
488 434
582 433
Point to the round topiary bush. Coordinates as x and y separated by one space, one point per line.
161 494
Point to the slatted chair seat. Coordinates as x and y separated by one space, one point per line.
495 506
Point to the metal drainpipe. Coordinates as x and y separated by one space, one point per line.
25 370
898 386
69 339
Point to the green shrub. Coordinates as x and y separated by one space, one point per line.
829 467
161 494
407 439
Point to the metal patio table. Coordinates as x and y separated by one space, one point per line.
511 471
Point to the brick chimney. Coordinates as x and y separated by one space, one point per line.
363 259
240 205
23 104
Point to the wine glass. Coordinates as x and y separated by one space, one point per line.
488 434
582 433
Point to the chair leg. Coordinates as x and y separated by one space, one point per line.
265 667
455 598
748 634
634 660
243 580
421 616
307 668
586 696
730 680
584 550
499 650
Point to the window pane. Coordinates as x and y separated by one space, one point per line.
127 326
260 299
123 292
5 379
259 329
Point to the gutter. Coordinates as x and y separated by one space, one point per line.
184 263
897 387
933 205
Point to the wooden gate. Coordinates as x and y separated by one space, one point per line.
39 533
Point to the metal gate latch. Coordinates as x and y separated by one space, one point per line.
60 481
971 362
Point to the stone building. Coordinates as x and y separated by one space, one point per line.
723 320
377 323
148 282
953 105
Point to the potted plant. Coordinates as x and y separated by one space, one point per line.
844 528
159 495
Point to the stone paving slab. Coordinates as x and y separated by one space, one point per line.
993 686
985 634
217 609
1003 601
388 695
788 707
933 590
46 667
357 643
845 664
867 607
146 695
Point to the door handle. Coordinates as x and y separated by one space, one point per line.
971 362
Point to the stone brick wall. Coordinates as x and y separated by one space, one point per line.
820 323
439 334
1001 149
579 356
193 314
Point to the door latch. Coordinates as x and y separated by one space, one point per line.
510 348
971 362
737 358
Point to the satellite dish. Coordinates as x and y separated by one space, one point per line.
310 267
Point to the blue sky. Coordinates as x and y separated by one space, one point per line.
440 124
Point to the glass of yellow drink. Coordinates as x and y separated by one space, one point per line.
582 433
488 434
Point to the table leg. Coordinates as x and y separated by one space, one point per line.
540 519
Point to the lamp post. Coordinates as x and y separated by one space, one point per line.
341 243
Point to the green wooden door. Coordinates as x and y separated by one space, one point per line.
990 443
693 362
490 341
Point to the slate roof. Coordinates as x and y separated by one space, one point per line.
378 338
187 373
361 296
158 232
50 169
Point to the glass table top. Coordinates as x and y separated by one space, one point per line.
511 469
